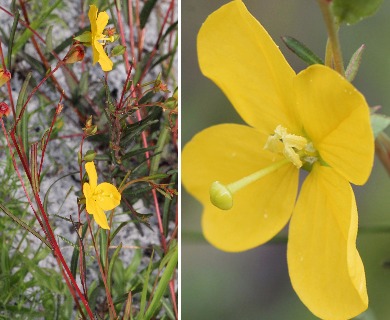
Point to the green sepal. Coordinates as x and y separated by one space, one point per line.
354 64
85 37
89 156
118 50
379 122
353 11
301 51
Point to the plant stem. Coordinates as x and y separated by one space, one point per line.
334 42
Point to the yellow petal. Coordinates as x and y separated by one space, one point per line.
100 218
336 118
92 15
92 175
101 22
87 190
90 204
237 53
227 153
324 265
103 59
96 47
107 196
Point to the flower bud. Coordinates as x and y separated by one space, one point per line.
5 76
75 54
4 109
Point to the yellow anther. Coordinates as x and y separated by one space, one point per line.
295 148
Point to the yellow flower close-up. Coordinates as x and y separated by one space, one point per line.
247 176
95 36
98 23
99 197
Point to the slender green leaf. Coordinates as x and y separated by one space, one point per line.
11 38
145 12
161 142
34 25
49 39
145 288
76 252
137 152
133 133
83 84
301 50
117 230
46 198
162 284
24 225
354 64
171 28
167 207
103 247
22 126
111 265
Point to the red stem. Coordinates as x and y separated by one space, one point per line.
32 93
72 74
59 106
46 226
109 298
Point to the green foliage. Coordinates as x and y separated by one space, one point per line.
353 11
128 125
129 128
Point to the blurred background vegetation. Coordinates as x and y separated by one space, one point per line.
255 284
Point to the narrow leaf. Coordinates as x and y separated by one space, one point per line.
49 39
301 51
145 13
22 126
11 38
34 25
354 64
162 285
24 225
103 247
145 287
111 265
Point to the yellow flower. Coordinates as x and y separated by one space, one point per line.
99 197
315 120
93 37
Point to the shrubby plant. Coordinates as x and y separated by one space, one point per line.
121 116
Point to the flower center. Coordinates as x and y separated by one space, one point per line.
296 149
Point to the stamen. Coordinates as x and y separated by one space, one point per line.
295 148
221 195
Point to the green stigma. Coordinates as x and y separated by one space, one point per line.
220 196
